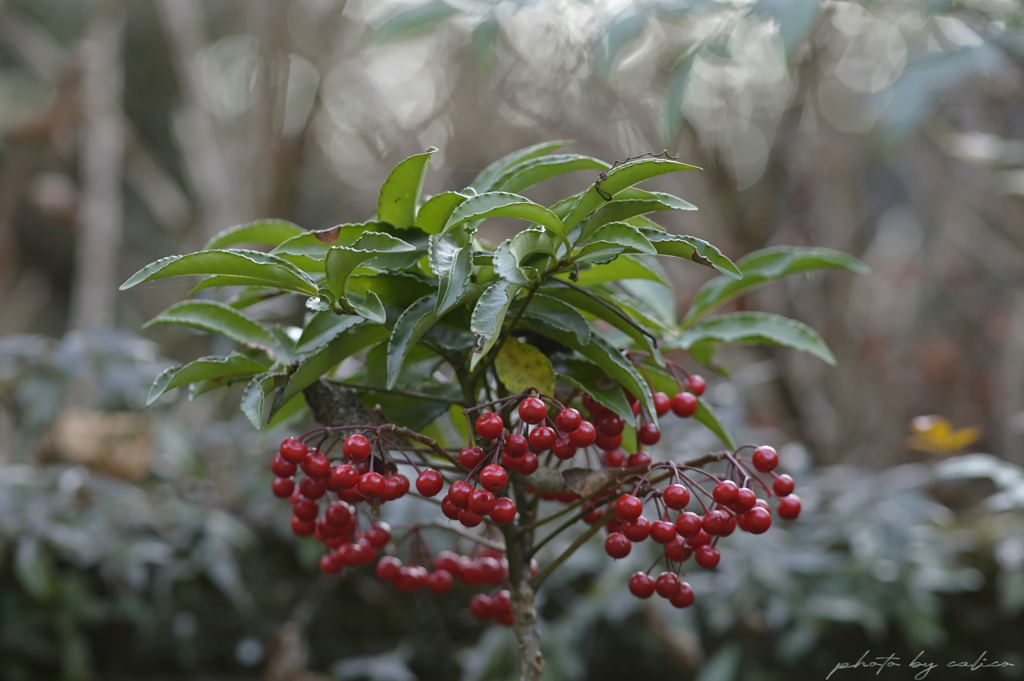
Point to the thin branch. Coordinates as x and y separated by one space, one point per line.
423 439
580 541
483 541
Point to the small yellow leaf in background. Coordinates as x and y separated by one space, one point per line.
936 435
521 366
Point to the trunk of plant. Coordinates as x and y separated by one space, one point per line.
524 609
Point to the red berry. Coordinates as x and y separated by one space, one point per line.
344 476
584 436
648 434
411 578
568 420
677 551
532 410
745 500
610 423
440 582
629 507
480 606
700 539
695 384
330 564
662 531
338 513
356 448
282 487
387 568
730 527
607 442
640 458
493 477
459 493
666 585
379 535
617 546
765 459
371 484
783 485
305 509
615 458
395 486
676 497
429 482
635 530
501 602
481 502
528 464
636 409
684 404
516 445
688 524
489 425
468 518
542 438
281 467
564 449
316 465
614 526
293 451
683 597
714 522
595 515
757 520
490 570
593 406
303 528
504 511
311 488
447 561
789 507
641 585
662 403
450 510
470 457
726 492
707 557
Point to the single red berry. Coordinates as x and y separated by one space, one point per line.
757 520
745 500
610 423
726 492
683 597
330 564
528 464
695 384
327 531
429 482
607 442
648 434
468 518
311 488
282 467
344 476
371 484
501 602
763 504
450 510
662 531
641 585
494 477
411 578
338 513
730 527
504 511
440 582
640 458
614 526
614 459
459 492
532 410
676 497
489 425
702 538
707 557
783 485
617 546
542 438
765 459
629 507
481 502
282 487
662 403
585 435
516 445
789 507
447 561
356 448
667 584
352 495
395 487
316 465
568 420
684 404
387 568
677 551
303 528
379 535
490 570
480 606
305 509
293 451
595 515
688 524
470 457
564 449
635 530
593 406
714 522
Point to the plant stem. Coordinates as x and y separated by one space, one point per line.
483 541
580 541
619 313
419 437
397 391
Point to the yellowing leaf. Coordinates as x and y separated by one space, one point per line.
521 366
936 435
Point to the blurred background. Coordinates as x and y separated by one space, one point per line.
143 543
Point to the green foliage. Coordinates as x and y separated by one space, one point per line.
416 287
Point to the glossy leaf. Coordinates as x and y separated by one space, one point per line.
261 269
413 412
214 369
453 266
756 328
345 344
764 266
590 378
313 246
580 300
489 315
254 397
341 261
395 289
622 209
691 248
216 317
512 253
267 232
635 266
485 180
400 193
322 328
504 204
525 174
619 234
558 313
369 308
434 213
520 366
408 330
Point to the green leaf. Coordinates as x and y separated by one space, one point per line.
268 232
293 410
341 261
415 413
488 316
520 366
404 24
619 178
313 246
619 234
216 369
254 396
621 209
420 365
322 362
629 266
395 289
369 308
261 269
590 378
580 300
219 281
453 266
400 193
527 173
557 313
434 213
763 266
691 248
758 328
512 253
503 204
409 328
485 180
322 327
215 317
